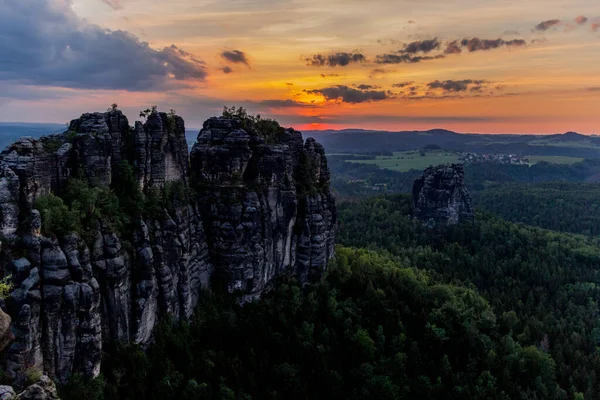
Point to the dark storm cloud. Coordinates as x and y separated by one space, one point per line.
476 44
334 60
407 55
350 95
43 42
545 25
457 86
236 57
453 48
226 70
515 43
402 84
391 58
421 46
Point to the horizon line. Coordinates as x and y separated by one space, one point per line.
22 123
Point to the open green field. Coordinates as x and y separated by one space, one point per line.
554 159
407 160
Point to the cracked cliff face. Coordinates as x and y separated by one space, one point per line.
267 209
440 196
253 211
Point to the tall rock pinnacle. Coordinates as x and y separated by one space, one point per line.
440 196
237 207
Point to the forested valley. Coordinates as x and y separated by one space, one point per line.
485 310
353 180
564 198
502 307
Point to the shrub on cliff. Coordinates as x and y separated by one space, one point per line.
57 219
268 129
79 209
6 286
93 204
127 189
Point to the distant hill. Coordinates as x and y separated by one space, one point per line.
367 141
11 131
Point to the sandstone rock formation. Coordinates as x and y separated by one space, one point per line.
440 197
7 392
255 211
42 389
267 209
6 335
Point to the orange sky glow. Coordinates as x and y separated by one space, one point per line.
488 66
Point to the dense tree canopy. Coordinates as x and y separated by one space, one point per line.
352 180
485 310
269 129
375 328
543 285
559 206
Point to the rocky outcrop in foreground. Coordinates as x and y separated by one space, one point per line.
6 335
42 389
237 207
440 197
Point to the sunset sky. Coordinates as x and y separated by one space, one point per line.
499 66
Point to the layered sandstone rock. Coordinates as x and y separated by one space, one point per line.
6 335
255 211
440 197
267 208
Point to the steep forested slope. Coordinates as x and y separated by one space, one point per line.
483 310
559 206
542 285
375 328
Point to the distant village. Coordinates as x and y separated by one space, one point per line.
378 187
463 157
498 158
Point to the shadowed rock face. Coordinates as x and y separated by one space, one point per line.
43 389
256 211
6 335
259 218
440 197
